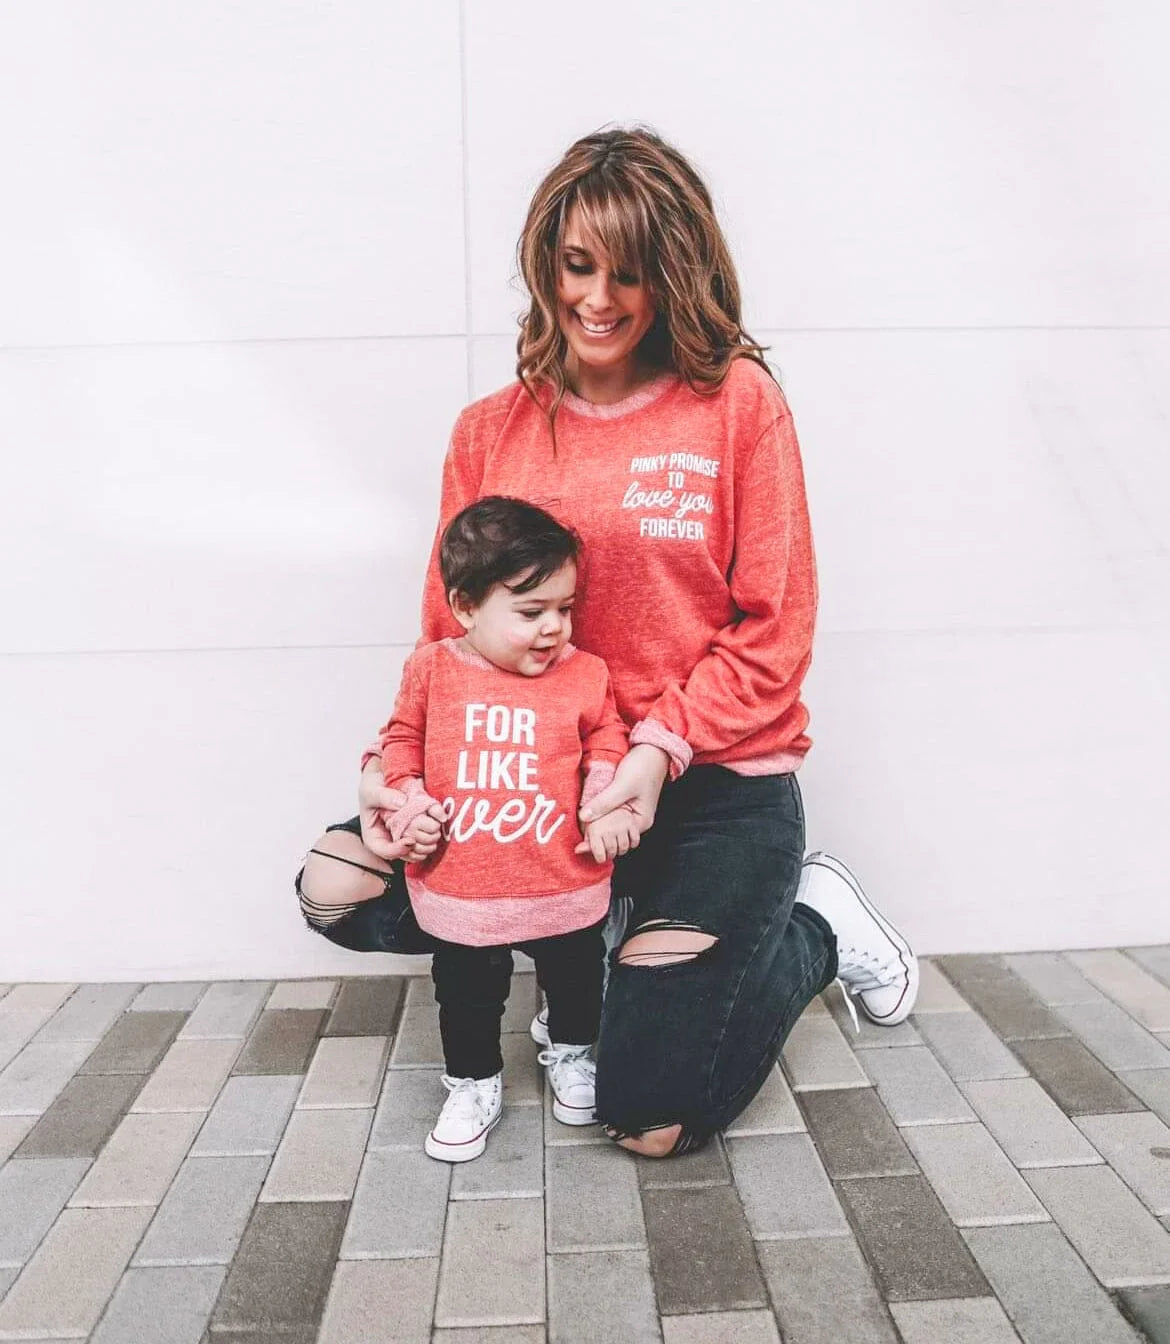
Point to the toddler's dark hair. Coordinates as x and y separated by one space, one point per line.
497 538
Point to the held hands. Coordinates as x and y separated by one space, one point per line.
623 811
423 834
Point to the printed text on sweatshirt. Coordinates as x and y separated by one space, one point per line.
698 584
508 758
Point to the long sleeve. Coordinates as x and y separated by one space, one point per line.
403 739
751 675
462 481
603 745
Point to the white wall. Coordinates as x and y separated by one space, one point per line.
256 257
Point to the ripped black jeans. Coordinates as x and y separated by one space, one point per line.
692 1042
689 1043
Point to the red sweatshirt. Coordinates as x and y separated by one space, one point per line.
698 582
503 755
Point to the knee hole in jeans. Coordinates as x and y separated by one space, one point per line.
664 942
330 886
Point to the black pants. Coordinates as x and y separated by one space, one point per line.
689 1043
471 988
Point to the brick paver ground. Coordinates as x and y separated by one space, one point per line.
241 1163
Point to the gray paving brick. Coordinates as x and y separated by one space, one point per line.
1027 1124
83 1117
418 1042
967 1320
523 1076
701 1252
367 1007
202 1218
914 1087
1120 1241
610 1219
380 1302
1114 1037
720 1327
302 994
345 1071
1149 1309
914 1248
1144 998
32 1194
408 1107
524 1002
226 1011
936 994
17 1028
68 1282
577 1284
513 1165
1075 1078
505 1287
319 1157
968 1048
784 1188
569 1136
171 996
176 1301
37 1075
1052 979
139 1162
292 1335
135 1043
88 1013
1005 1001
817 1284
249 1117
707 1166
1156 960
1153 1087
8 1276
39 997
1137 1147
493 1334
398 1207
972 1177
855 1135
773 1110
13 1128
1045 1287
281 1042
189 1077
816 1055
282 1270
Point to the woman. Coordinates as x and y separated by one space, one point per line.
645 417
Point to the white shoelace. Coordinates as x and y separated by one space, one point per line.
466 1101
867 970
569 1066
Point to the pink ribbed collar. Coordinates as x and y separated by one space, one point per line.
649 392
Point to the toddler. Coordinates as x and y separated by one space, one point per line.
496 740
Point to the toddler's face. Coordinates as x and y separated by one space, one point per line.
523 632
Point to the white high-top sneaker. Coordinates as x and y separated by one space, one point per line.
468 1116
538 1027
572 1076
875 963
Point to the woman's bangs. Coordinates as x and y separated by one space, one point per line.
616 222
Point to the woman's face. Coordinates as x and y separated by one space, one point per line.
602 314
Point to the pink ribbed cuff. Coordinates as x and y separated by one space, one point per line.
417 802
600 776
654 734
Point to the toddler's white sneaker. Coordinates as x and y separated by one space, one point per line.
538 1027
875 963
572 1076
468 1116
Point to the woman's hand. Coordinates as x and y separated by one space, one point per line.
374 800
636 787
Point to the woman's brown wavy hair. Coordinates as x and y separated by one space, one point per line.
645 204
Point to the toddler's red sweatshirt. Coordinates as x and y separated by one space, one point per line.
509 759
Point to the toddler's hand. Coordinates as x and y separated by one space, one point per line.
423 836
607 837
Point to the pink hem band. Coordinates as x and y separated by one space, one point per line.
488 921
654 734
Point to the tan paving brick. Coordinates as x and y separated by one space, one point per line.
68 1282
820 1284
970 1173
29 1085
1126 983
1027 1124
1137 1146
302 994
139 1161
189 1077
380 1302
501 1286
40 997
721 1327
936 994
319 1157
345 1071
13 1128
965 1320
816 1055
88 1013
772 1111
